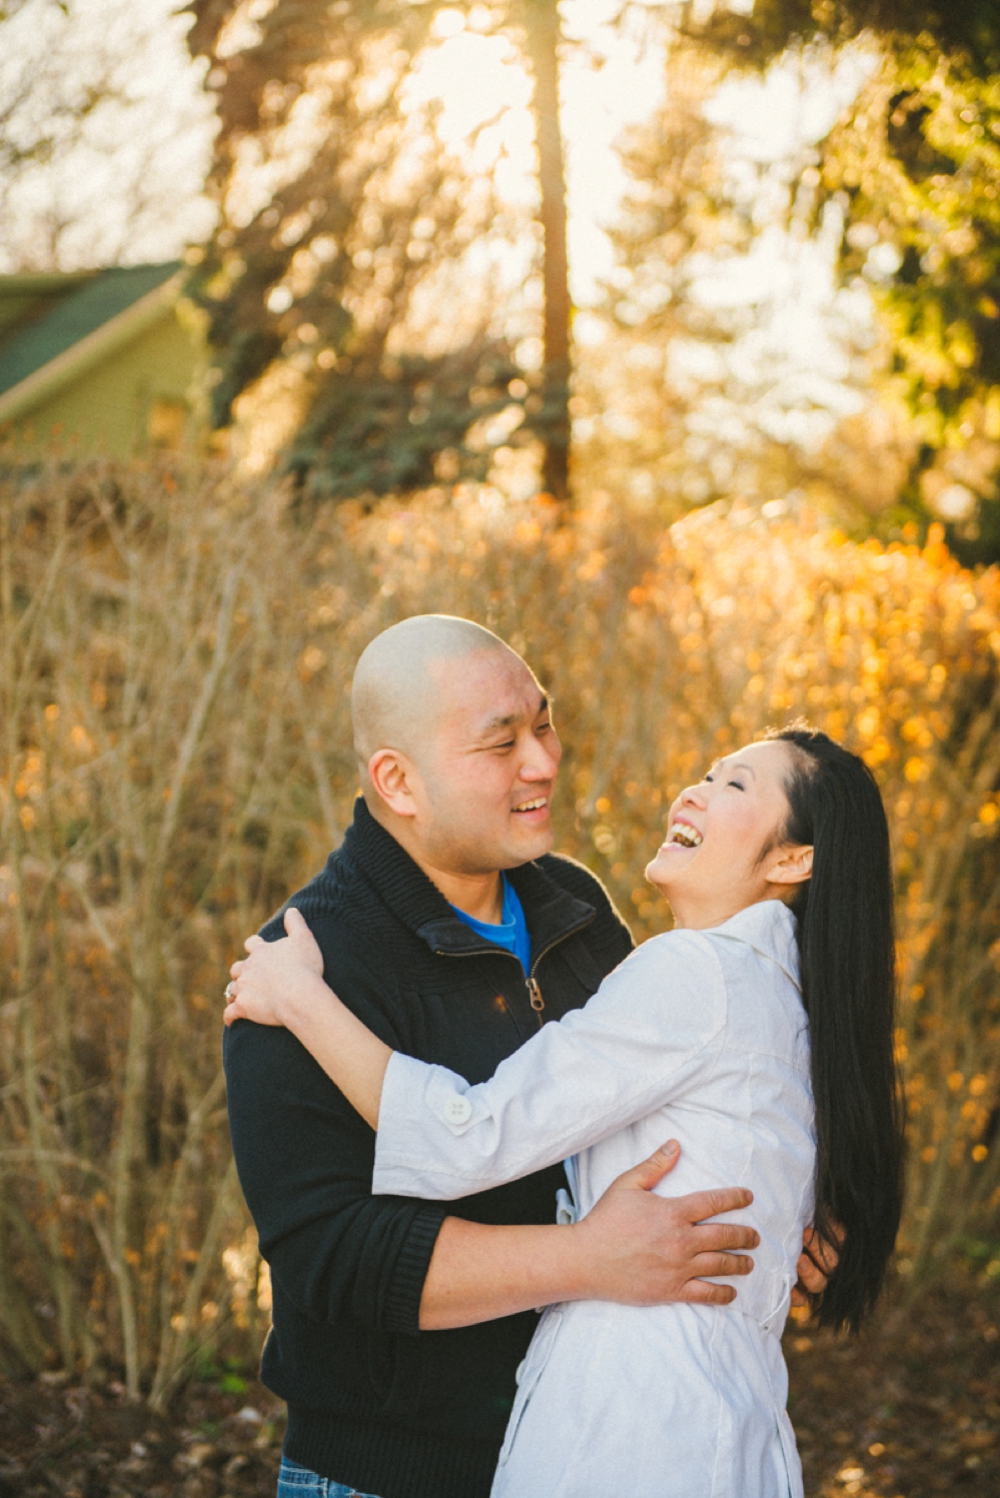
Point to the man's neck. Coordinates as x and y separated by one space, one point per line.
478 895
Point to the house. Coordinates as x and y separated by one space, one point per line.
106 361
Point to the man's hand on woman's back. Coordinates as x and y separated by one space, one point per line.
648 1249
645 1249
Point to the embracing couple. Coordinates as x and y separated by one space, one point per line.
455 1099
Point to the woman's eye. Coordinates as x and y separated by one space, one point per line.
739 786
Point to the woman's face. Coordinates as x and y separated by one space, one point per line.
710 865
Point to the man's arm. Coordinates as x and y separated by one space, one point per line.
305 1160
635 1247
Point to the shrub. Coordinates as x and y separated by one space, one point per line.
176 658
160 783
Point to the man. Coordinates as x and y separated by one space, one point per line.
453 932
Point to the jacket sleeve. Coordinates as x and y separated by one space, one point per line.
304 1159
652 1029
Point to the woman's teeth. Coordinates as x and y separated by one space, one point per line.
688 837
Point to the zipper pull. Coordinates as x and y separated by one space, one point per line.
535 995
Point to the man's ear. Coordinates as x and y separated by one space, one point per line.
790 865
392 776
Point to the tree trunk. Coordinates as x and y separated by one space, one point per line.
543 31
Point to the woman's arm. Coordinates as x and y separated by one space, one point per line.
633 1248
281 983
651 1028
640 1040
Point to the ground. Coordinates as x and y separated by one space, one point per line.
910 1410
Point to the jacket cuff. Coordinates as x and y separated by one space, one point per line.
401 1312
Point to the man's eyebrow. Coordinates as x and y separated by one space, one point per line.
507 720
494 725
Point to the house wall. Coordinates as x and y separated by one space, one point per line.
143 395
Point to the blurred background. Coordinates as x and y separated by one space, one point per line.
662 338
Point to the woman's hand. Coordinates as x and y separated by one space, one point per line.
817 1262
281 983
276 977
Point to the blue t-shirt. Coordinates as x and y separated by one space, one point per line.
512 932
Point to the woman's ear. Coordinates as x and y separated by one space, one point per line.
790 865
392 776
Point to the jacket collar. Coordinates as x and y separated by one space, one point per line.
550 911
769 927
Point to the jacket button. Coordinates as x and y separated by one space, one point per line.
458 1110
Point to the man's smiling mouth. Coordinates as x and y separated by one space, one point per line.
535 804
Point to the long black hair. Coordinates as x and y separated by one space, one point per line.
848 965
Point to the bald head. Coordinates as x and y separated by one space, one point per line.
456 751
394 701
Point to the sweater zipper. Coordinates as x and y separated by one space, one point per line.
535 998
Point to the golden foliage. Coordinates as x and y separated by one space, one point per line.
177 758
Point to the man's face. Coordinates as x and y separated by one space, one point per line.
486 772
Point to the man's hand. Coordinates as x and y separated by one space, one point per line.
816 1263
635 1247
642 1249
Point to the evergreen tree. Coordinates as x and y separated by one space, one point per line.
337 208
696 393
918 164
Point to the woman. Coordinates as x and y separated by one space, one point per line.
776 865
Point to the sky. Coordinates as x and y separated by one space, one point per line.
802 364
801 367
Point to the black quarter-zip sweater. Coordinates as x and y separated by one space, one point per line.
373 1402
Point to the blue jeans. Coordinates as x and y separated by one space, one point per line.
298 1482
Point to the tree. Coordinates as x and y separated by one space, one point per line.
730 365
544 38
104 135
339 209
917 162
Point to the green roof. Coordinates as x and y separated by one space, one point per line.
81 311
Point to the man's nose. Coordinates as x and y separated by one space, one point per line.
541 761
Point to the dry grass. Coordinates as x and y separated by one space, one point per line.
174 662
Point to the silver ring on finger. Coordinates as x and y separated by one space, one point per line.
230 990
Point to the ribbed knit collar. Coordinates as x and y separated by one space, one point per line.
550 911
